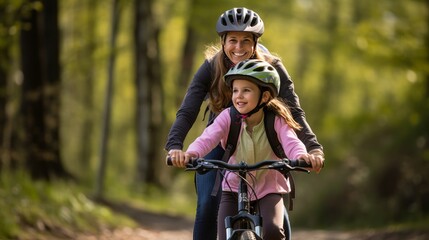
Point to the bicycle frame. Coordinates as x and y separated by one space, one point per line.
245 219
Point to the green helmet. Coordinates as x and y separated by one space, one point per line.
260 72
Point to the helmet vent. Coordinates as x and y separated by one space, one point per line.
259 69
250 65
254 21
246 18
239 18
231 16
240 64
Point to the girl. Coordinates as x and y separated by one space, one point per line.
255 84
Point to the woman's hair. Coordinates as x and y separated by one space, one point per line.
220 94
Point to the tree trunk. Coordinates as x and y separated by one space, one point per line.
32 98
4 159
4 62
88 90
40 98
99 186
149 93
9 157
51 85
426 76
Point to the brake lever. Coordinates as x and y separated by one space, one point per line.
200 166
300 169
193 165
285 168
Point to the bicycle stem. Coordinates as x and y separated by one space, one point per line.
243 196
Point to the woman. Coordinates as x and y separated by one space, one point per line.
239 30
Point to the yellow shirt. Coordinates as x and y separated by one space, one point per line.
254 147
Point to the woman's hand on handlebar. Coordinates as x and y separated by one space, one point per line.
180 158
315 161
319 157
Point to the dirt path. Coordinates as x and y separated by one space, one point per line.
186 234
164 227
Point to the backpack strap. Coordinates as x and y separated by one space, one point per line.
234 132
231 144
272 134
278 149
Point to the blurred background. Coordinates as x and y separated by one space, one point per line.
89 90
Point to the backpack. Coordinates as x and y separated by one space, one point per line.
234 132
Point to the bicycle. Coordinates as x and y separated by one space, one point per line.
247 223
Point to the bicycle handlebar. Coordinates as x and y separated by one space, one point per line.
201 164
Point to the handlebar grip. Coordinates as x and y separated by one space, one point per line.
299 163
168 161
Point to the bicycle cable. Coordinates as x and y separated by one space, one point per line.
250 185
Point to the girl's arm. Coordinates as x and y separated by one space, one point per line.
293 147
212 135
191 104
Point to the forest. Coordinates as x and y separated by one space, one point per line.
90 89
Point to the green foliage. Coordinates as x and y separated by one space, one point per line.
59 209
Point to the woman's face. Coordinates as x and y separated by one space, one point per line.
239 46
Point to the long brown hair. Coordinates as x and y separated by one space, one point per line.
281 109
220 94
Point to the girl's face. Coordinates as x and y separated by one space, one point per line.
239 46
245 95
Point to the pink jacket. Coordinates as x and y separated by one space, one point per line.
268 181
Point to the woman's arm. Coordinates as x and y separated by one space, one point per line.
287 93
190 107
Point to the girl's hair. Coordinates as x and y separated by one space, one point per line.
220 94
281 109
